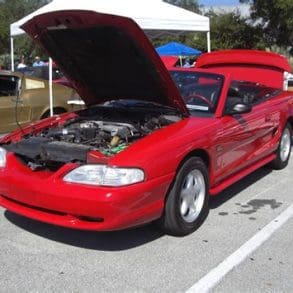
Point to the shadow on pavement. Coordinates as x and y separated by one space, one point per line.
105 241
239 186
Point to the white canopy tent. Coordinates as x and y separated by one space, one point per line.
155 17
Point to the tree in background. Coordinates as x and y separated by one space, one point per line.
11 11
275 17
230 30
270 26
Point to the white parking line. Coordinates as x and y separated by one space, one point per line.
211 279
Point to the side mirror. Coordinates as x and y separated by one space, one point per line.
239 108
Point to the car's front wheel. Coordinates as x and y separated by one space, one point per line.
187 202
284 150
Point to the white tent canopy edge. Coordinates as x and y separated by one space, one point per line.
153 16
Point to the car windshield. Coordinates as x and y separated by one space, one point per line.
200 91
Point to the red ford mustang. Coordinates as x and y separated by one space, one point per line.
152 145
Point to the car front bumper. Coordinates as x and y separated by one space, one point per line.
44 196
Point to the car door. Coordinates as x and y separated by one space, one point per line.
11 105
241 139
7 117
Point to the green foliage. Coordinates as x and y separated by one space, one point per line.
194 40
276 19
232 31
270 25
228 31
11 11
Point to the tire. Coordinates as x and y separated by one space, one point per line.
284 150
186 206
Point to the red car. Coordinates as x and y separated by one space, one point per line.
152 145
170 61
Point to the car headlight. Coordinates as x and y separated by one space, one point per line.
2 157
104 176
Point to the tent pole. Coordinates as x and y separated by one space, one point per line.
209 41
50 87
12 53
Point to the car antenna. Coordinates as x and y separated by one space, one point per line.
17 101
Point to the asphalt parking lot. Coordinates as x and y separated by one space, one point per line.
227 254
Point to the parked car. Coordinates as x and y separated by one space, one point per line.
42 72
170 61
25 98
152 145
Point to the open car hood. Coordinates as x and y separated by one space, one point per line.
106 57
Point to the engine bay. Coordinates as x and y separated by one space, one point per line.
108 130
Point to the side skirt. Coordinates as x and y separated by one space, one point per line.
236 177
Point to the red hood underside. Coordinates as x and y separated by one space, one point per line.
106 57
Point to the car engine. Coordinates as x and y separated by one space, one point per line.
104 129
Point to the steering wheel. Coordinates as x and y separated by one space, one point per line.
193 96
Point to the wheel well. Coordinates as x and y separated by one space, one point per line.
196 153
57 110
200 153
290 121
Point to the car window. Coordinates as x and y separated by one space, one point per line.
200 91
32 84
251 93
8 85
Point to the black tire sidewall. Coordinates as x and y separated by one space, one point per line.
278 163
174 222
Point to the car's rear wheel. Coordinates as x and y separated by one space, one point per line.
187 202
284 149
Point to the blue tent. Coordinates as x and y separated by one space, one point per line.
177 49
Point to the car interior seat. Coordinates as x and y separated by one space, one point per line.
233 97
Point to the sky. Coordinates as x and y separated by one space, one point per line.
219 2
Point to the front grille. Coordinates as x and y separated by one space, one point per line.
35 165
